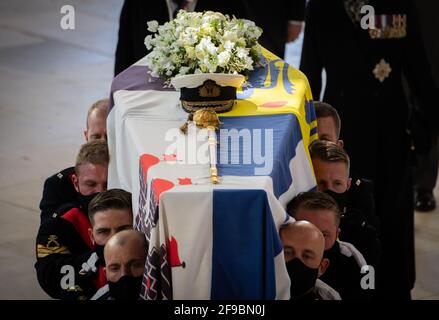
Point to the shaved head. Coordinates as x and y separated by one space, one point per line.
96 128
125 238
125 254
305 241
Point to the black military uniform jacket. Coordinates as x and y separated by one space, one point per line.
58 190
344 271
67 266
273 17
364 68
359 224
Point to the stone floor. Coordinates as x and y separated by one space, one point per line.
48 79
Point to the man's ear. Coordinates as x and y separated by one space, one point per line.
323 267
90 234
349 183
86 135
338 234
75 181
340 143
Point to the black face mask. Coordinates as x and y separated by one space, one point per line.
303 278
99 249
340 198
84 201
126 288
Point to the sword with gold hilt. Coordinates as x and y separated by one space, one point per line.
208 119
212 141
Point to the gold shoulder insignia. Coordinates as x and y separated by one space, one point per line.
75 288
51 247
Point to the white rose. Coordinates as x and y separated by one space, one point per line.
209 46
169 66
184 70
206 28
241 53
211 64
153 26
148 39
223 58
230 36
190 51
229 45
254 32
205 47
188 43
199 52
248 23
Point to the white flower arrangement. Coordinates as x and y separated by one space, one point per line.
197 42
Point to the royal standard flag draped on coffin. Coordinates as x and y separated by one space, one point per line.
276 97
277 88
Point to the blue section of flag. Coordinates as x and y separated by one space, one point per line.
259 145
288 85
313 131
245 243
310 111
257 79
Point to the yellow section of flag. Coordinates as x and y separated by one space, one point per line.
277 88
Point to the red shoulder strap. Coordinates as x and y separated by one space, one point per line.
81 223
101 279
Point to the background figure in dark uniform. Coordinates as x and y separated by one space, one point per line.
133 30
426 170
280 20
364 70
